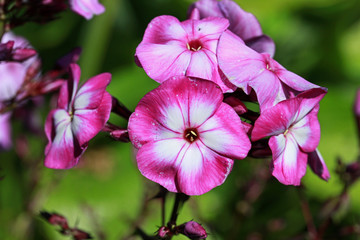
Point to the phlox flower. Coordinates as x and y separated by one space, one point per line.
242 23
186 136
294 132
79 116
87 8
170 48
248 69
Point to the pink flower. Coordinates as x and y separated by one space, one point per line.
87 8
12 74
242 23
170 48
248 70
294 132
186 136
80 115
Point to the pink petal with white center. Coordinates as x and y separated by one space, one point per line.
86 123
289 162
307 132
205 29
162 61
201 169
60 152
164 112
5 131
276 120
12 76
164 29
224 133
90 95
239 63
318 165
242 23
158 161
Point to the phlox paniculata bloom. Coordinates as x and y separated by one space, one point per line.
186 136
294 132
80 115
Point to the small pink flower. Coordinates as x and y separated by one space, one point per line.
80 115
248 69
242 23
186 136
294 132
171 48
87 8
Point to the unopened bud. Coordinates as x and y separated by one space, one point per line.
80 235
55 219
163 232
194 230
22 54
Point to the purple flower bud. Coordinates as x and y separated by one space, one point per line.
55 219
163 232
23 54
194 230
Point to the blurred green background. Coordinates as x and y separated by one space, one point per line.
104 194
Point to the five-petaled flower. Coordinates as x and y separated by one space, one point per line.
80 115
170 48
295 134
248 69
186 136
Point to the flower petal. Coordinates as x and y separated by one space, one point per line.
289 162
224 133
12 76
69 88
239 63
87 123
318 165
61 152
242 23
157 161
201 169
262 44
207 8
90 95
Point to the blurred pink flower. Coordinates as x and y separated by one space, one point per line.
80 115
242 23
170 48
294 132
248 69
87 8
186 136
5 131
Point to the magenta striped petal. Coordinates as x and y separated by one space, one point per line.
164 112
289 162
276 120
91 93
224 133
87 123
60 152
201 170
307 132
158 161
309 100
68 89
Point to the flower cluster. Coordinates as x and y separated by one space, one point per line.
191 128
